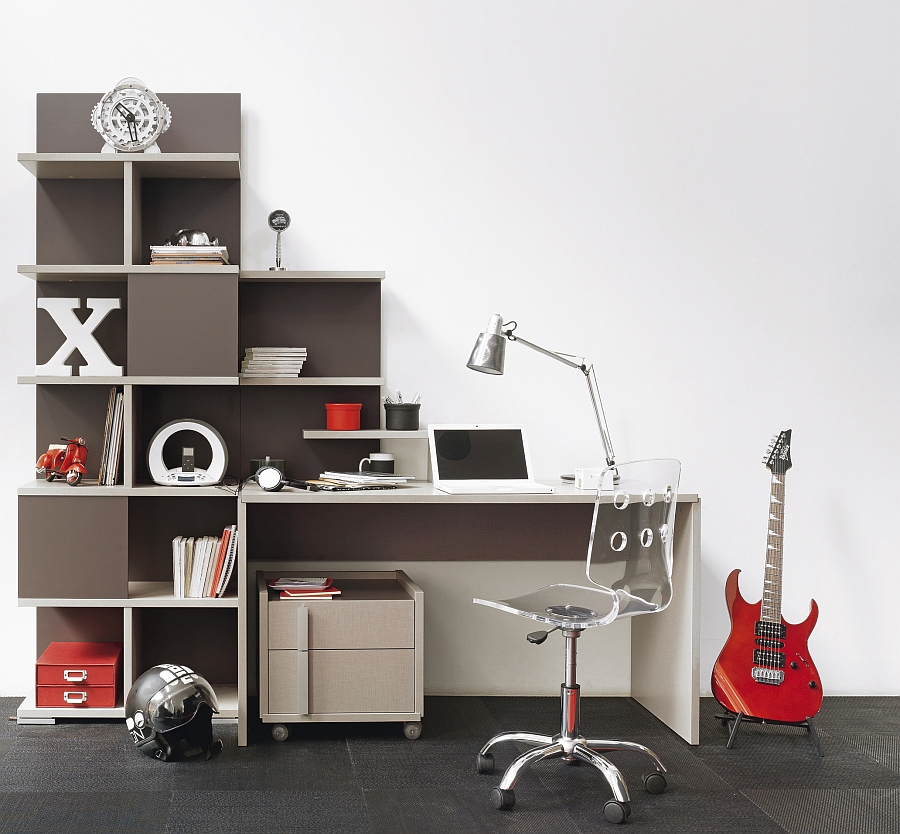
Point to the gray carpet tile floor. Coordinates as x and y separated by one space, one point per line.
79 776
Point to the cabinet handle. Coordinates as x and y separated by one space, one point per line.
74 675
75 697
303 659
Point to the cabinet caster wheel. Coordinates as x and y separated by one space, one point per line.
616 812
502 799
412 729
655 782
280 732
485 762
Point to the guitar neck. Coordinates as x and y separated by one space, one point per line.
771 597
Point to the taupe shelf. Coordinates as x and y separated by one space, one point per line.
140 595
309 276
129 380
225 693
364 434
117 272
315 380
61 488
111 166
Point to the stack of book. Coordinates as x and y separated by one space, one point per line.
112 438
189 255
304 587
273 362
202 566
365 478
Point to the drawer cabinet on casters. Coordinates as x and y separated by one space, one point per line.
356 657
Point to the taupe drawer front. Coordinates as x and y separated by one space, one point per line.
362 681
284 682
345 624
381 680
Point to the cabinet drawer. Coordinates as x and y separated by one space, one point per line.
344 624
75 695
354 681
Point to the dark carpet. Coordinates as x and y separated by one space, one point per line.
86 777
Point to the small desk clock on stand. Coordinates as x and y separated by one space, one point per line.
279 220
130 117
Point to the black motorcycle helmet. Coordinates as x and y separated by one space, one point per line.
169 713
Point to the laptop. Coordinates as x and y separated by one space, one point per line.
481 459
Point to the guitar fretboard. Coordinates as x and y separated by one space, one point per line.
771 597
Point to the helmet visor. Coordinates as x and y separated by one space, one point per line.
176 704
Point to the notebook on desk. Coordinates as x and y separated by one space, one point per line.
481 459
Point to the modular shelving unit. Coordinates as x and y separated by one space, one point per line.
95 561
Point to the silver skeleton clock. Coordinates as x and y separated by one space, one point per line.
130 117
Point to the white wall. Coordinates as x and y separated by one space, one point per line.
702 197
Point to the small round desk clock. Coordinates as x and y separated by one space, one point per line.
130 117
279 220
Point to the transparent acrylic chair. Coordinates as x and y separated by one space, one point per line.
629 568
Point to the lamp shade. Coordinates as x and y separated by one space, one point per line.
489 352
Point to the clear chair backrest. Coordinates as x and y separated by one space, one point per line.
630 552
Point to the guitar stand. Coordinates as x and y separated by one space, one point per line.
738 717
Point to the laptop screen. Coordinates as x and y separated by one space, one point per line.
480 454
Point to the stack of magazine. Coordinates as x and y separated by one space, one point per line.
277 362
304 587
202 566
365 478
188 255
112 438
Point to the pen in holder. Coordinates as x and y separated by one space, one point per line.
401 416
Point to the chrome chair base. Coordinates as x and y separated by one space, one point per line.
572 747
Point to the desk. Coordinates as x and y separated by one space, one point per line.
495 537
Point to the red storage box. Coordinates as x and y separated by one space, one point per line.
342 416
78 675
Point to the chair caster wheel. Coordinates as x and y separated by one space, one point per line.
655 782
616 812
280 732
412 729
571 761
485 762
502 799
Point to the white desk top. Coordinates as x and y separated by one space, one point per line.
425 493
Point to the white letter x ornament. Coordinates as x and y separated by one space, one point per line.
79 336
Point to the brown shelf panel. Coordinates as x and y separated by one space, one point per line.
115 272
288 275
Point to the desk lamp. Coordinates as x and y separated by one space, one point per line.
489 354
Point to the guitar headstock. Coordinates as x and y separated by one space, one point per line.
778 455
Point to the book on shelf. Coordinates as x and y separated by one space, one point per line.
188 255
304 587
273 362
329 593
202 565
301 583
366 478
112 438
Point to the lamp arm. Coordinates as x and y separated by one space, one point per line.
591 379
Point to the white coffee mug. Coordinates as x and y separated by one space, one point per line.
378 462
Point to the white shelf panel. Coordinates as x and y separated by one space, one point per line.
111 166
315 380
288 276
225 693
27 710
127 380
140 595
88 488
116 272
423 492
364 434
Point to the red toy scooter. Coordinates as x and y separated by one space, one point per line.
64 461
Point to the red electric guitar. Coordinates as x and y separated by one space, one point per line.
765 672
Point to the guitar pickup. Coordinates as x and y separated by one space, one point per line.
774 677
769 644
766 657
776 631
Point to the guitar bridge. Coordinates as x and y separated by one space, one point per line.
760 674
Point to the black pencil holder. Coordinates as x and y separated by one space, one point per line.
401 416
